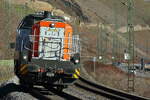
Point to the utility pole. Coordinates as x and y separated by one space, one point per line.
26 8
114 35
147 47
8 21
130 31
100 40
102 43
98 35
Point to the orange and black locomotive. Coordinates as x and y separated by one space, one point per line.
46 52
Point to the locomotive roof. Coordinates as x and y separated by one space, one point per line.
30 19
46 17
54 19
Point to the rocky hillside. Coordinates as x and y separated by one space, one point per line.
84 16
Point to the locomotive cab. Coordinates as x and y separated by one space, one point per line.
47 52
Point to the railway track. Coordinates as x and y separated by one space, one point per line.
64 95
42 93
104 91
37 94
100 91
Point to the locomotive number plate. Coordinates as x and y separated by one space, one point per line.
50 74
52 29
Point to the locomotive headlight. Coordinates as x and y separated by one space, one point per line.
24 57
76 58
76 61
52 25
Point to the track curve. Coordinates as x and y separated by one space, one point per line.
106 91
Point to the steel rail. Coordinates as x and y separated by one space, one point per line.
100 92
63 94
35 92
38 95
109 92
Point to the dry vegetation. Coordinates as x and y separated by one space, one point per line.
8 26
11 16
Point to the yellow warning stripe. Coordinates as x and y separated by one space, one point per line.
23 67
75 76
78 69
24 72
77 72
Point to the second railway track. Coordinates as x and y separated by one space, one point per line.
106 92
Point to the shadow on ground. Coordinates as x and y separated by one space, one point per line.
11 87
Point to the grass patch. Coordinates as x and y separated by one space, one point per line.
5 78
22 9
6 70
6 63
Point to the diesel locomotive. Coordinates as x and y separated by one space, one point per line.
46 52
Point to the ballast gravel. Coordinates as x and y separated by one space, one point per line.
10 90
